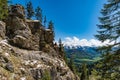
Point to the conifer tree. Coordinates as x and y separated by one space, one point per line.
60 45
38 14
3 9
61 50
84 73
109 29
45 20
30 10
72 65
51 27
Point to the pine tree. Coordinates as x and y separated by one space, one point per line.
71 65
51 27
38 14
109 29
60 45
61 50
110 21
45 20
30 10
84 73
3 9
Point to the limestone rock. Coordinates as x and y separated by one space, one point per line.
20 34
27 34
28 53
33 65
17 10
9 66
2 30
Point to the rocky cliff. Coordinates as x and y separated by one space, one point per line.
27 51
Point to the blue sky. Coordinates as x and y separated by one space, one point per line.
71 17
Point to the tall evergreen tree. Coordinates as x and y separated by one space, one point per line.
30 10
84 73
45 20
109 29
110 23
71 65
60 45
61 49
38 14
51 27
3 9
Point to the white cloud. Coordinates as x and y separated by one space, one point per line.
74 41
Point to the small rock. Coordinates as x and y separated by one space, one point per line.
7 54
10 67
23 70
2 30
37 73
23 78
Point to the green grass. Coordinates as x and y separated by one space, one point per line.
86 60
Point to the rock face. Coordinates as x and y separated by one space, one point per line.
22 51
2 30
16 63
27 34
18 31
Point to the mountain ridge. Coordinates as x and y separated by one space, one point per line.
76 42
83 54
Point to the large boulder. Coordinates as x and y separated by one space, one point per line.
17 10
2 30
9 67
49 37
18 31
20 35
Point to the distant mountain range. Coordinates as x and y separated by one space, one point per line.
83 50
82 54
76 42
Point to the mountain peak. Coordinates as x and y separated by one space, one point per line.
76 42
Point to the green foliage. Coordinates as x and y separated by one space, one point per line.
45 20
61 51
51 27
30 10
38 14
84 73
46 76
72 65
95 75
109 29
108 68
3 9
60 45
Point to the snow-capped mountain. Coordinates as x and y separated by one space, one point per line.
83 50
75 42
83 54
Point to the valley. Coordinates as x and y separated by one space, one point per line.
84 54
